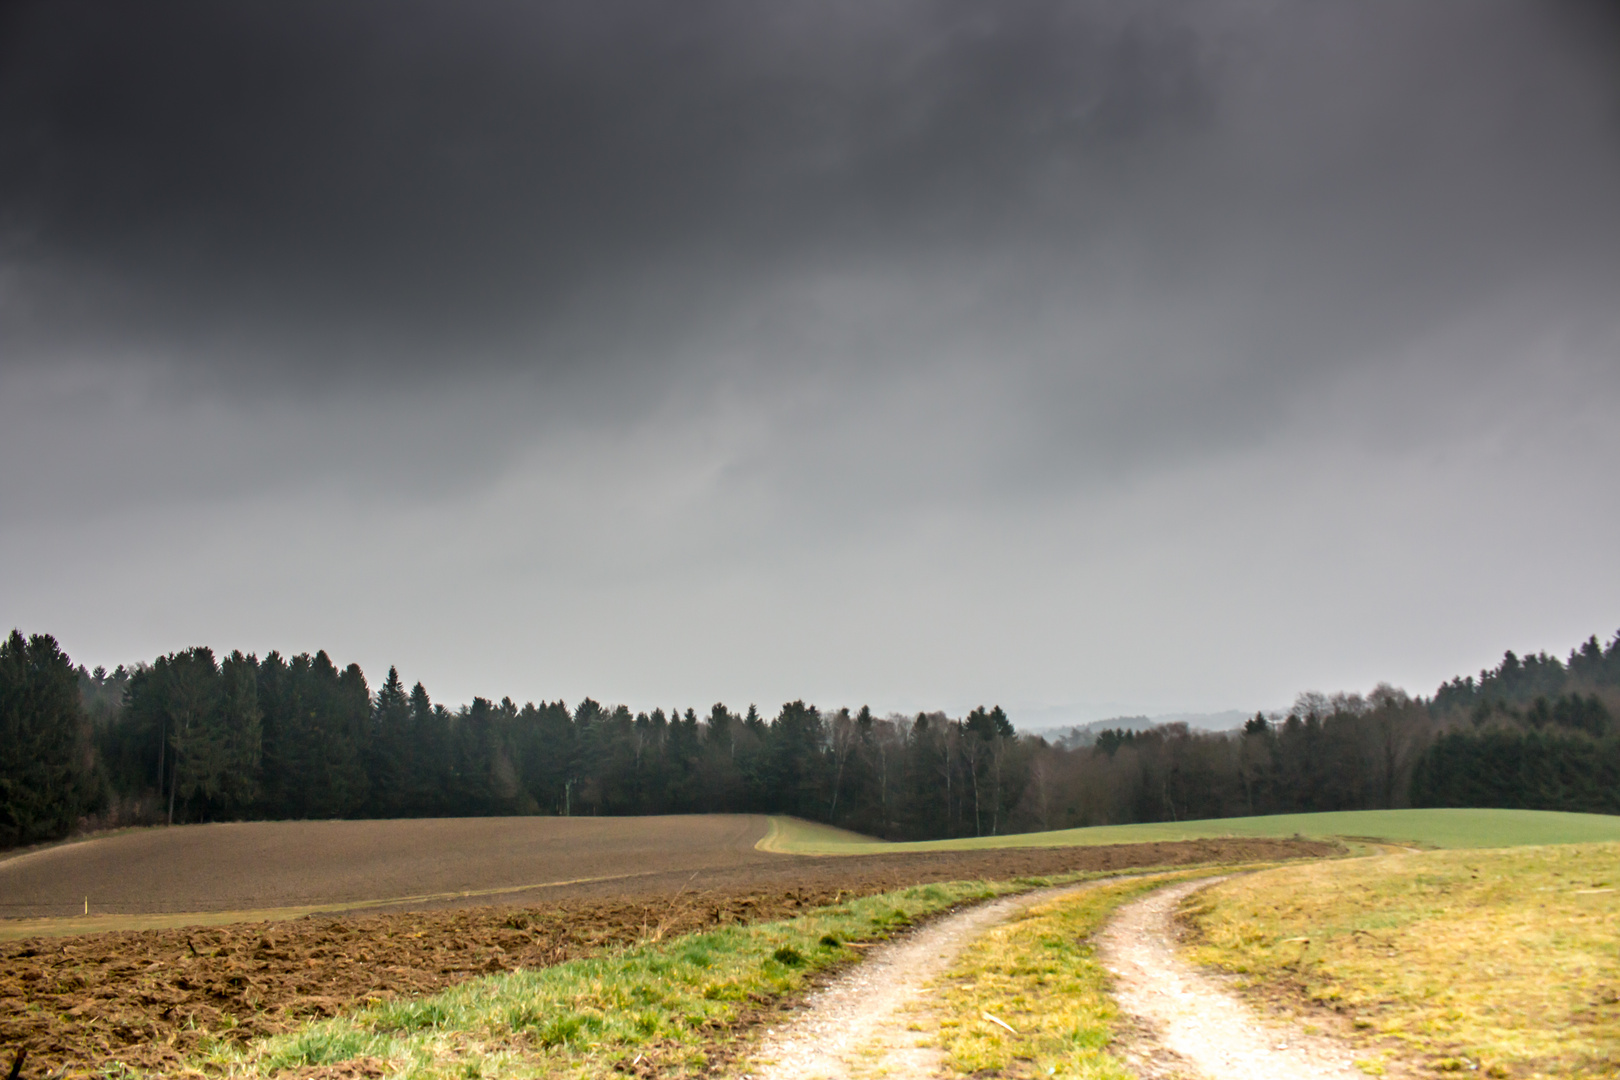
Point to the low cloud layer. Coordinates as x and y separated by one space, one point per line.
1157 357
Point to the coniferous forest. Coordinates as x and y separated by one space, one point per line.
196 737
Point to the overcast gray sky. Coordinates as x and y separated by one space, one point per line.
1084 358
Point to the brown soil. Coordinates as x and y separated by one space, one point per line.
256 865
149 998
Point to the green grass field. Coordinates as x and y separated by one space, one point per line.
1422 828
1502 963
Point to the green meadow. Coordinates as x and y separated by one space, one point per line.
1499 963
1437 828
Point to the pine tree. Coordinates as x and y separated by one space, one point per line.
188 685
44 741
241 723
391 742
430 755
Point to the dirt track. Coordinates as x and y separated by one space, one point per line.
856 1027
1195 1016
149 997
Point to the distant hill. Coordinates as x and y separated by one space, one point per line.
1078 735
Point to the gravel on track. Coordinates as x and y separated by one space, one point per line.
1194 1016
855 1027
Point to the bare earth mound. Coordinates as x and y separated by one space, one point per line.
149 997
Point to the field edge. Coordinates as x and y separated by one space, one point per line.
1441 827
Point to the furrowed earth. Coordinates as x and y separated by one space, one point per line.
490 895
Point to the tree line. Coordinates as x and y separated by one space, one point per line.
1531 733
192 737
195 737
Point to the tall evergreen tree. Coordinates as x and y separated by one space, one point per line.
430 771
798 761
241 729
392 745
45 771
185 689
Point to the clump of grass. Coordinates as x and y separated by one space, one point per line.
1028 999
1502 963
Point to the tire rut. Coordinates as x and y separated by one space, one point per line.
1192 1015
856 1025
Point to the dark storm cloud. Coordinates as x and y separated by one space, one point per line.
425 185
1090 235
916 351
319 173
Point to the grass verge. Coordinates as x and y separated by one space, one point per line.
666 1008
1440 828
1502 962
1037 976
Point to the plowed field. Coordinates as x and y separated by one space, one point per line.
151 997
260 865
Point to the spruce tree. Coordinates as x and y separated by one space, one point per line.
188 687
241 724
391 744
44 742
